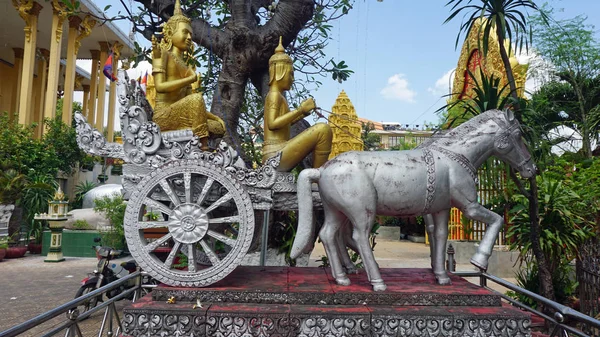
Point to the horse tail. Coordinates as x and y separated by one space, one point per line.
306 218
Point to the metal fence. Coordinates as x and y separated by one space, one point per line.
588 277
71 326
491 184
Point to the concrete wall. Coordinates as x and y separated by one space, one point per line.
502 263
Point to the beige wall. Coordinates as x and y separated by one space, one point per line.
8 79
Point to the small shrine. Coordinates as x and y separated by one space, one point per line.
57 214
58 207
472 60
345 126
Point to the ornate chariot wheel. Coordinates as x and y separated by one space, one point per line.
189 223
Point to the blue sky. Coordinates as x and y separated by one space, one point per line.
400 50
401 53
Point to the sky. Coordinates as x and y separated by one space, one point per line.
401 53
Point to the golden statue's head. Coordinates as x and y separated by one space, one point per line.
177 31
280 67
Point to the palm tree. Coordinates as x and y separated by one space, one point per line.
509 19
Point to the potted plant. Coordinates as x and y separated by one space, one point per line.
12 185
15 250
3 247
34 233
87 163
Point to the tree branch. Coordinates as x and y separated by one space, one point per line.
289 19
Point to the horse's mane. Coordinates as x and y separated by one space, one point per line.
461 130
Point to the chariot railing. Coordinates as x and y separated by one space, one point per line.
72 324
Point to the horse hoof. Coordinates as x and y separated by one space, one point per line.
343 281
351 270
480 261
379 285
443 279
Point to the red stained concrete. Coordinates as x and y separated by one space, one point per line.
315 279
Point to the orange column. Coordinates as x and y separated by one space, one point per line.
58 18
18 69
29 48
104 47
69 87
86 97
42 79
112 93
91 117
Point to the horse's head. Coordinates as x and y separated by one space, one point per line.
509 146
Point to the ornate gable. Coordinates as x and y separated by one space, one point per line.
472 59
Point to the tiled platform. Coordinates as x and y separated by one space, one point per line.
281 301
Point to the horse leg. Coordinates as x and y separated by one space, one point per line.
329 236
440 220
363 222
429 226
494 223
344 241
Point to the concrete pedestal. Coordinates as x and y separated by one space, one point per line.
55 253
56 225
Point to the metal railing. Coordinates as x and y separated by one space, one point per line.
111 323
557 321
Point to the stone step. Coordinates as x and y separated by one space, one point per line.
157 318
316 286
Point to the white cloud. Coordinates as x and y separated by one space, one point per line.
442 83
397 88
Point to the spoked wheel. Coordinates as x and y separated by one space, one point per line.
198 213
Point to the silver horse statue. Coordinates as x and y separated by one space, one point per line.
356 186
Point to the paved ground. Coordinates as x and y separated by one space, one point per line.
29 286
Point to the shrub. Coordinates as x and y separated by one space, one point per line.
81 225
114 208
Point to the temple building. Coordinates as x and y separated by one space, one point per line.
472 59
40 43
345 127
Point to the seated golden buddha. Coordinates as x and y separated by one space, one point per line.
278 119
177 106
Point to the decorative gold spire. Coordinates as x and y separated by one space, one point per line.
280 55
59 195
177 10
345 126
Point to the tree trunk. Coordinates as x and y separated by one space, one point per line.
228 99
544 273
509 74
14 224
545 276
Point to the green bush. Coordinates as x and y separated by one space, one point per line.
563 229
80 190
565 288
81 225
114 209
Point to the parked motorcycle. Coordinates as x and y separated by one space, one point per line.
107 272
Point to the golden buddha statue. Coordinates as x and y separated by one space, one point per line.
177 107
279 118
